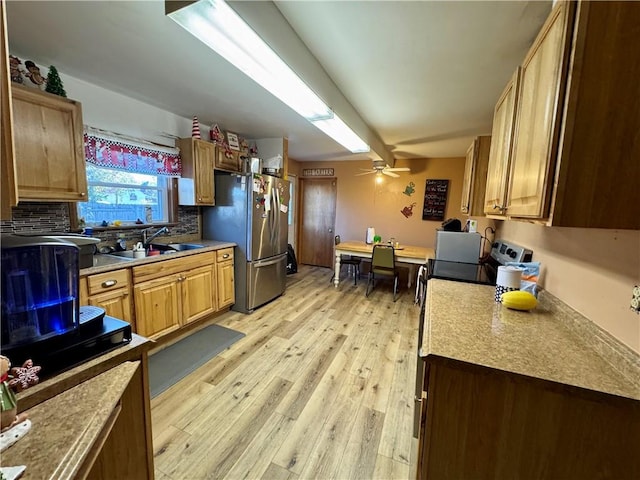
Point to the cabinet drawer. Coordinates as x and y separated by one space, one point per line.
170 267
224 255
104 282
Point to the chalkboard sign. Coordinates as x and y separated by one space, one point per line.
435 199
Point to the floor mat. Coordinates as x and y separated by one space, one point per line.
170 365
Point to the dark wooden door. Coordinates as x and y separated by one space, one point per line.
317 221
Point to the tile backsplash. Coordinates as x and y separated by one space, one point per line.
32 218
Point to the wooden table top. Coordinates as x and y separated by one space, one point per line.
407 253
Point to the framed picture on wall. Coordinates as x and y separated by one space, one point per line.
232 141
435 199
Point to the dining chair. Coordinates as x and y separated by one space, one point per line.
347 260
383 264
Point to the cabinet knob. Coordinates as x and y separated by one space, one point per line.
83 194
226 255
499 207
109 283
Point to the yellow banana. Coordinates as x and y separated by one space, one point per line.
518 300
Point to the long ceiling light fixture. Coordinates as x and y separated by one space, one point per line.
218 26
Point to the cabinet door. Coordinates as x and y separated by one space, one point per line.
198 288
500 152
226 285
48 146
158 306
204 157
227 160
468 176
7 168
538 118
116 304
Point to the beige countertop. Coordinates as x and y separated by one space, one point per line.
552 342
106 263
66 427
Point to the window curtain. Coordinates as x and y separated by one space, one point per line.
111 150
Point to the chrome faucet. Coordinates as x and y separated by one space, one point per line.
147 240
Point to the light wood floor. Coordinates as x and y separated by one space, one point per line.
321 387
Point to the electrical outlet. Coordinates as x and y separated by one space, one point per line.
635 299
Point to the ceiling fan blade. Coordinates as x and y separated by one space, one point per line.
398 169
365 173
391 174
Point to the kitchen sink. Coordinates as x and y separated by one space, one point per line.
178 247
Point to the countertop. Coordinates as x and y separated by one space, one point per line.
552 342
106 263
66 427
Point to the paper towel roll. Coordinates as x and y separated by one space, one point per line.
508 280
509 277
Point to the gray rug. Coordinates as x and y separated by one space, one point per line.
172 364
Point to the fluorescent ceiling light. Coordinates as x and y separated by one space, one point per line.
341 133
218 26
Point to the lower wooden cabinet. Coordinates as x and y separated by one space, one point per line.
167 295
198 293
226 278
111 291
174 293
481 423
158 306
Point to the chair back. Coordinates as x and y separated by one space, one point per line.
383 259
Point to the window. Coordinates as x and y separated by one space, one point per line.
125 196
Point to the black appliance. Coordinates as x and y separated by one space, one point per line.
40 315
483 272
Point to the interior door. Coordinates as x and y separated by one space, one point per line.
317 221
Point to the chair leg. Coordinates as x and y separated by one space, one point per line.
369 283
395 287
356 273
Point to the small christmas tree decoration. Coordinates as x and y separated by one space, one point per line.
195 128
54 84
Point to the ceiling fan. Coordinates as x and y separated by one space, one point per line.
380 168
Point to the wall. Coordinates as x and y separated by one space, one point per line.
591 270
362 203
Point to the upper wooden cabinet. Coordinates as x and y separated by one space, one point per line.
227 161
196 186
500 152
7 169
48 146
475 176
576 152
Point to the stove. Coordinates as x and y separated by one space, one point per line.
482 272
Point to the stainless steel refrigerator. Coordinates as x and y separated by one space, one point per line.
252 211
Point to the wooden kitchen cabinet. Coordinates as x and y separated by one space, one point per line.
575 149
8 194
229 163
158 306
487 424
225 274
173 293
196 186
111 291
198 292
475 176
495 197
48 146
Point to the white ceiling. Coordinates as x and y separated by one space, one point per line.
417 79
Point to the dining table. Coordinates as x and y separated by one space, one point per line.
405 254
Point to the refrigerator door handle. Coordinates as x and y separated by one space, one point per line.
266 263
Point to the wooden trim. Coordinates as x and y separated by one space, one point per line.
9 196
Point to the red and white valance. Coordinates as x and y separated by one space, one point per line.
106 149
